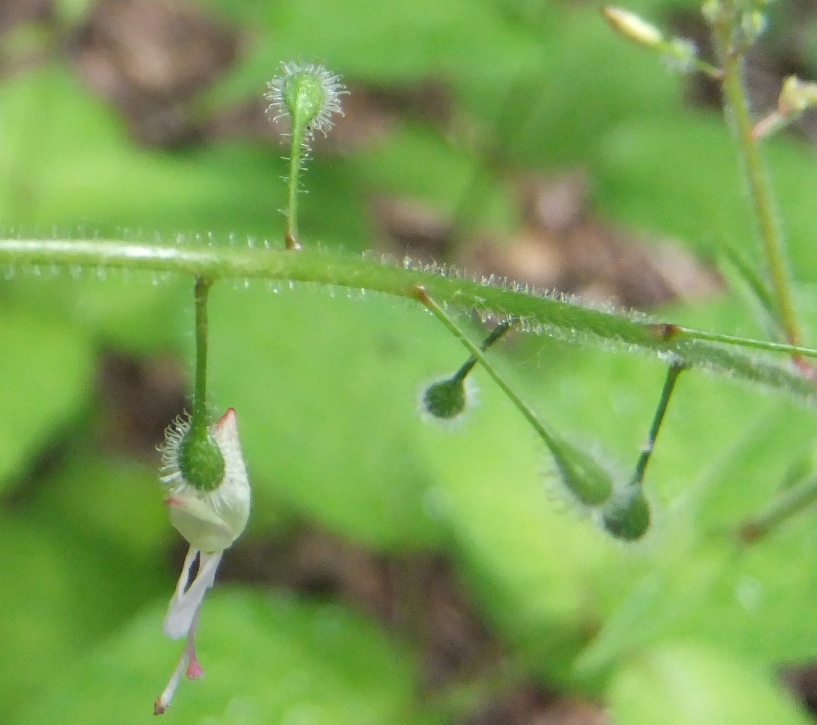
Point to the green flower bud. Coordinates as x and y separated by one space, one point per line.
581 474
627 515
445 399
200 461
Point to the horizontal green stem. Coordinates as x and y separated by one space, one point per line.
550 315
768 345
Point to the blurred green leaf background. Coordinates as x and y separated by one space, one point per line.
394 571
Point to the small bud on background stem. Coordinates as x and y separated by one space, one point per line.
632 27
681 53
796 97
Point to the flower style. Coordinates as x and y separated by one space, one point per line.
210 521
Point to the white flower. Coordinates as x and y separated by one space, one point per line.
210 521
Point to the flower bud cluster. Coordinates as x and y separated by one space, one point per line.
624 512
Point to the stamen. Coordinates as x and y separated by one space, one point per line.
164 699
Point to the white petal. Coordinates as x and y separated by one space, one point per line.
183 606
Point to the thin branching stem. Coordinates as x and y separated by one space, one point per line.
731 55
673 372
421 295
779 511
496 333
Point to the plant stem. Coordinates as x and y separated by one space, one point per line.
534 312
291 237
737 109
779 511
794 350
496 333
673 372
202 290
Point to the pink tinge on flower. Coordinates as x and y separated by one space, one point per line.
194 670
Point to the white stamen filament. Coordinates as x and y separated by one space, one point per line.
183 618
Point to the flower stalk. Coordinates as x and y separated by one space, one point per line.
309 95
627 516
674 370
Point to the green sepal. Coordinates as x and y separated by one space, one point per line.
304 96
200 460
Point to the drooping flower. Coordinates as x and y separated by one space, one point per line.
210 520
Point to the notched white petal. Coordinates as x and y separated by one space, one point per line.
189 595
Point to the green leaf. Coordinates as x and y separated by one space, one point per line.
65 163
690 684
651 176
114 506
267 658
110 307
59 594
46 373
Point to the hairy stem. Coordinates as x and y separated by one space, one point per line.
666 393
534 312
295 160
202 290
760 193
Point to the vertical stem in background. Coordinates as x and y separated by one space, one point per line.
779 511
737 109
669 386
199 417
